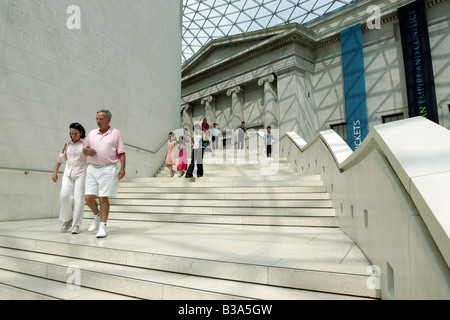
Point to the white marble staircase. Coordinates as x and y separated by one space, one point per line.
232 234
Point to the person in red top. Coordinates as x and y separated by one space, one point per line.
205 128
105 148
205 125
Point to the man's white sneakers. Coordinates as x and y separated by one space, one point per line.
102 230
101 226
95 223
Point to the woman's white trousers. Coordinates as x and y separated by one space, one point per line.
72 199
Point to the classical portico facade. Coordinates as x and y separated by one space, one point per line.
250 94
291 77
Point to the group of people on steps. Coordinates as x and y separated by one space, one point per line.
199 143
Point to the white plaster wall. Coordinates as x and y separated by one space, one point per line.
403 230
126 58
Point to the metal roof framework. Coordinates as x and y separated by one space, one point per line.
205 20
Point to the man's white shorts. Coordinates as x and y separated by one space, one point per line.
102 182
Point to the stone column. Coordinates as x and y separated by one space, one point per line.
270 101
237 107
186 117
210 109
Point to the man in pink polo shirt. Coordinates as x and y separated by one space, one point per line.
105 148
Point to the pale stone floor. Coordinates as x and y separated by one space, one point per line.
265 245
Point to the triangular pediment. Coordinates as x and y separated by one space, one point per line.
223 51
219 50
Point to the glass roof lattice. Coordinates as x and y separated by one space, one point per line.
205 20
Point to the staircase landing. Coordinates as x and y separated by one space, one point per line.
199 261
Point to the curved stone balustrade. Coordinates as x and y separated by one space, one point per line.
392 197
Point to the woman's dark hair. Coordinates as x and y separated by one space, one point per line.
78 127
174 137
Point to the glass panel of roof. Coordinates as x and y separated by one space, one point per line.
221 18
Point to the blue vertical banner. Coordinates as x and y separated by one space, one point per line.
354 86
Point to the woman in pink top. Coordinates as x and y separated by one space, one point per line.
72 189
182 156
171 156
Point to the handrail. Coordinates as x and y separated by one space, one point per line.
146 150
400 161
28 170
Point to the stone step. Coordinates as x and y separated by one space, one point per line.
264 201
219 164
208 183
289 212
133 283
269 178
242 164
178 270
189 189
239 154
189 194
240 173
256 203
217 167
225 182
214 214
31 286
267 220
230 168
323 217
99 277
